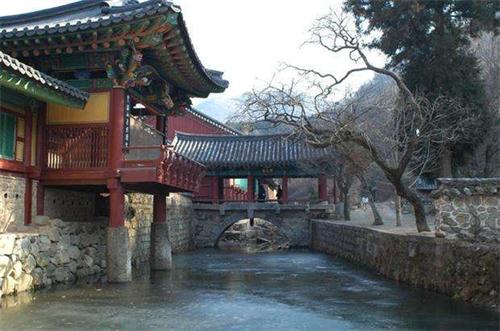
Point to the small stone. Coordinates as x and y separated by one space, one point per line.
29 264
7 241
467 191
34 249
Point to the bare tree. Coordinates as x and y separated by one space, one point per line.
396 132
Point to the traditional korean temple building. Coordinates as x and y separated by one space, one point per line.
74 80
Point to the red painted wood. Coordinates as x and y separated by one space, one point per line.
250 189
28 188
189 123
159 208
214 184
284 190
117 117
116 203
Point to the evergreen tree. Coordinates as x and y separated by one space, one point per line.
428 43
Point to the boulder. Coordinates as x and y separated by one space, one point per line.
42 259
22 247
38 275
73 252
17 270
44 244
9 285
56 223
87 261
61 257
62 274
24 283
73 266
7 242
29 264
5 265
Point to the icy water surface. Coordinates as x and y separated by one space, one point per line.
215 290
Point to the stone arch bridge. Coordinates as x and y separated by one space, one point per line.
294 221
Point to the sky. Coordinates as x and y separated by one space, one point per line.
246 39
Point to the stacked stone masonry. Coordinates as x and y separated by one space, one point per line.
180 215
468 209
57 252
464 270
139 216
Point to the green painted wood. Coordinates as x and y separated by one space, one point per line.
7 136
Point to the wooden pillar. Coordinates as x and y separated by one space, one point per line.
251 188
284 190
214 189
116 203
41 158
322 188
117 118
159 208
220 189
28 187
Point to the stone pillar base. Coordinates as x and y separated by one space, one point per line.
161 251
119 255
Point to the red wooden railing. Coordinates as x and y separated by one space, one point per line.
234 193
172 168
77 147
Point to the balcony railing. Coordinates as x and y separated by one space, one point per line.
172 168
77 147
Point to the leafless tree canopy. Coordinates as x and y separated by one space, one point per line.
394 126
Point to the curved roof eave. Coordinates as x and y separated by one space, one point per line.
95 14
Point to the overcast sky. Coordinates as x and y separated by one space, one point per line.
246 39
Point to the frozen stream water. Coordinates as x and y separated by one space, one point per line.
215 290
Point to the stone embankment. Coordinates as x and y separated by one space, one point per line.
468 271
56 252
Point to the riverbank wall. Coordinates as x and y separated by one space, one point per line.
58 252
463 270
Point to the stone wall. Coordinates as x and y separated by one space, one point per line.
464 270
139 216
12 190
468 208
180 216
69 205
58 252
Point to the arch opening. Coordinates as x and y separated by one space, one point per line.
252 237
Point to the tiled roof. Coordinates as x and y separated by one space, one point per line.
213 121
88 15
247 151
22 70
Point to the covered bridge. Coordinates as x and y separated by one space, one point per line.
253 157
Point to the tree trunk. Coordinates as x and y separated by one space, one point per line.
377 219
347 206
416 202
446 171
397 205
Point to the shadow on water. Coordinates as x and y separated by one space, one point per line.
216 290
